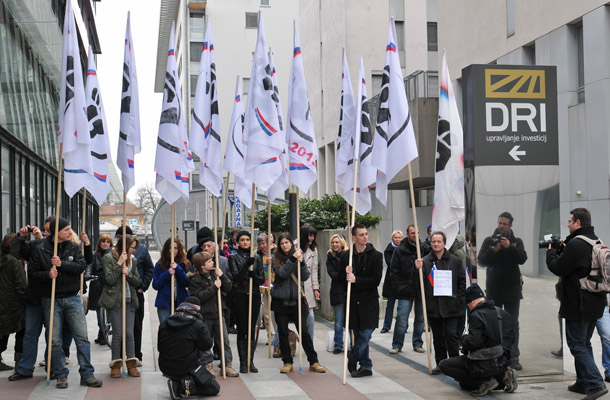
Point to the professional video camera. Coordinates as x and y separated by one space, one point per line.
553 240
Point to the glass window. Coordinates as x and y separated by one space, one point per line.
196 49
197 25
251 20
34 202
581 64
432 36
6 189
264 2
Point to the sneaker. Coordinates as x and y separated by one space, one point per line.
361 373
67 361
485 387
510 380
17 377
395 350
514 364
42 364
62 382
595 393
92 381
577 388
419 349
384 330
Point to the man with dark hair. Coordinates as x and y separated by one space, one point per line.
66 268
365 275
405 281
484 332
443 306
182 340
580 308
502 253
146 270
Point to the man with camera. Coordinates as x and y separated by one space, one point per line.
580 308
502 253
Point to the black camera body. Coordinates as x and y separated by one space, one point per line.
495 239
554 241
30 229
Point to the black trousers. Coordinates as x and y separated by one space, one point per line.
240 310
446 341
18 342
282 319
455 367
137 326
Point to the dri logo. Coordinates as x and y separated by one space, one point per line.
512 84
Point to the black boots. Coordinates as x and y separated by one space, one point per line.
242 351
253 369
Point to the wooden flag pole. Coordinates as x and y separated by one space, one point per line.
217 259
349 284
251 269
173 239
421 274
224 212
55 238
82 244
299 302
123 304
269 321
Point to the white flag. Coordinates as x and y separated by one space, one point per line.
173 161
449 204
278 188
394 137
262 134
363 149
129 134
234 151
205 125
73 127
303 151
98 183
347 126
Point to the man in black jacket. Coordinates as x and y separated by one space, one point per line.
443 306
365 276
502 253
483 332
405 280
579 308
65 268
182 339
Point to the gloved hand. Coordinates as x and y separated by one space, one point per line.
251 273
249 261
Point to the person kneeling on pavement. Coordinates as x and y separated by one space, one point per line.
486 347
182 340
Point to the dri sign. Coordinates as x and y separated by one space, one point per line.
510 115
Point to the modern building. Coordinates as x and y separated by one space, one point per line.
234 29
30 74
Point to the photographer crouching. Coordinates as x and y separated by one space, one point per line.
571 261
183 337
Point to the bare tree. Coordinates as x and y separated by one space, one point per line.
147 199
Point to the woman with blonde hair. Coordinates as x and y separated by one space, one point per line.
338 286
388 290
164 269
117 263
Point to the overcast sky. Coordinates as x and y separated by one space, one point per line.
111 21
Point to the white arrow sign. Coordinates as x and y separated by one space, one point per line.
515 153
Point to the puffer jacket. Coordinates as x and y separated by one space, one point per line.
13 284
573 263
112 294
72 266
239 271
285 288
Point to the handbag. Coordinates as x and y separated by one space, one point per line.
304 303
489 361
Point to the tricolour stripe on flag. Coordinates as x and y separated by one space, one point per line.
269 161
391 47
100 176
297 167
75 171
268 128
297 51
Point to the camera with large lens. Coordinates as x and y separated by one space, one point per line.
554 241
495 239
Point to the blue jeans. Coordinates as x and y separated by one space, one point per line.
389 313
603 329
275 342
512 308
34 320
360 349
311 319
72 310
402 323
339 325
163 313
578 337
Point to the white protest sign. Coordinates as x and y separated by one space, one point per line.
443 283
